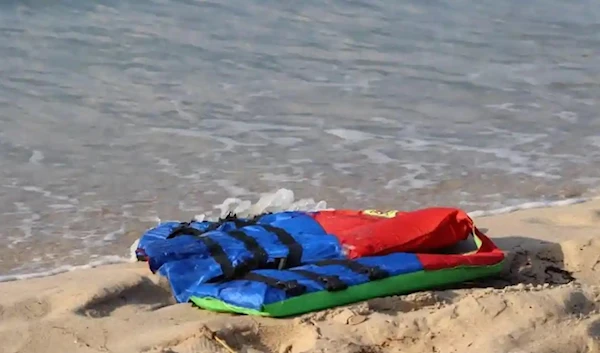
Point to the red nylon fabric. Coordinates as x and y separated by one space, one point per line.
335 221
487 254
419 231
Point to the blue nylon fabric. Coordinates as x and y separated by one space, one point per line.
161 250
161 232
253 295
292 221
187 263
186 274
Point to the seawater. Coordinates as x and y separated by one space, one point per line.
116 113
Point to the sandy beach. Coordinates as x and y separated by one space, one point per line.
546 300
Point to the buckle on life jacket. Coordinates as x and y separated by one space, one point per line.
280 263
291 288
329 282
374 273
184 228
332 283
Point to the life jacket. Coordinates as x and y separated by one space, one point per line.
191 254
289 238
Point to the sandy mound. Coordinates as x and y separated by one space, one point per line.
546 300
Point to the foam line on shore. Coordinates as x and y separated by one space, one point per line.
105 260
113 259
530 205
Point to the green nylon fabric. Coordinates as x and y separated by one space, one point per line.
396 285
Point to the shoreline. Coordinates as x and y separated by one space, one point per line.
547 299
116 259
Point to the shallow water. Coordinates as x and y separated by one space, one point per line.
113 113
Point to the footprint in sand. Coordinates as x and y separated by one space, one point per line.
143 294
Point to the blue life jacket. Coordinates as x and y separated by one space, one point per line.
192 253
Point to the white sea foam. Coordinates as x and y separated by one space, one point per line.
527 206
350 135
105 260
36 157
280 200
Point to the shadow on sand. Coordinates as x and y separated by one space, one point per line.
528 261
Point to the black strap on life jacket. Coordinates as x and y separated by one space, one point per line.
333 283
218 254
330 282
259 254
373 272
185 228
295 250
291 288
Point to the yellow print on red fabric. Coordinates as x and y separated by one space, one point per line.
384 214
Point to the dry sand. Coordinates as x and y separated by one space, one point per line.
547 300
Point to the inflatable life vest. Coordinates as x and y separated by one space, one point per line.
269 264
